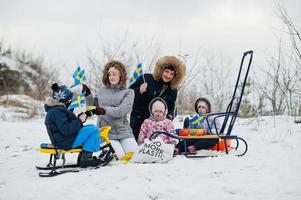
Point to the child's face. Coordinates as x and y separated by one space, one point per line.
202 109
158 114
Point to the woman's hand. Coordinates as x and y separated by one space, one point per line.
143 88
99 111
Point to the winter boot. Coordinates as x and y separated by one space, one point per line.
87 160
192 149
79 157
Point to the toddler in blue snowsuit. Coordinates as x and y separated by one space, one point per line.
68 130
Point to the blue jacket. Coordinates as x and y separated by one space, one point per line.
63 124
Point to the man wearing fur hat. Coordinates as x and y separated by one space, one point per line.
163 82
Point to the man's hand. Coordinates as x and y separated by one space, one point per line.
143 88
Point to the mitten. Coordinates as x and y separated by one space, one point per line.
89 113
82 114
174 142
169 116
99 111
86 90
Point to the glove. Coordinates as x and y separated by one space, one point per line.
99 111
169 116
86 90
89 113
80 114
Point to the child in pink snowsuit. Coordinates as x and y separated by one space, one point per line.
157 122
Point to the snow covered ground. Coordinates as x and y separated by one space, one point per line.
271 169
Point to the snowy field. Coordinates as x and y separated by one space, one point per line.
271 169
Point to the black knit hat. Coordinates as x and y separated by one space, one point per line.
61 93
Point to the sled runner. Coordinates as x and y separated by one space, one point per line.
226 142
107 154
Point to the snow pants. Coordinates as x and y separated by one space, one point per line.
88 136
199 144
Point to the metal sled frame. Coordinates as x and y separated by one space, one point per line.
107 154
229 115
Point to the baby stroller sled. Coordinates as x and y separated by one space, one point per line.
226 141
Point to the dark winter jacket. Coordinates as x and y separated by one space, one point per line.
157 88
63 123
154 88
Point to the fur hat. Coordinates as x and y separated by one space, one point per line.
173 63
61 93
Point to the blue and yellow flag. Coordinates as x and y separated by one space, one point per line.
78 76
77 101
138 71
197 119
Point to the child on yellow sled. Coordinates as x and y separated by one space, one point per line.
68 130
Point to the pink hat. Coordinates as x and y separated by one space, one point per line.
158 105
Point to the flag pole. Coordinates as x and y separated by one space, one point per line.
143 77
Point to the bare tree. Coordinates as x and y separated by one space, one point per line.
23 73
206 75
281 84
293 30
291 81
270 88
247 108
218 81
128 52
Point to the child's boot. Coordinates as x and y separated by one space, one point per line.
192 149
87 160
176 151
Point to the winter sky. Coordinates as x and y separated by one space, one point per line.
64 31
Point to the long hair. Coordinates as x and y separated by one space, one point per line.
120 67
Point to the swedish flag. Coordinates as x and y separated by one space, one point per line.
77 101
138 71
79 76
197 119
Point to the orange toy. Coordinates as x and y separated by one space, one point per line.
221 146
200 132
184 132
191 132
